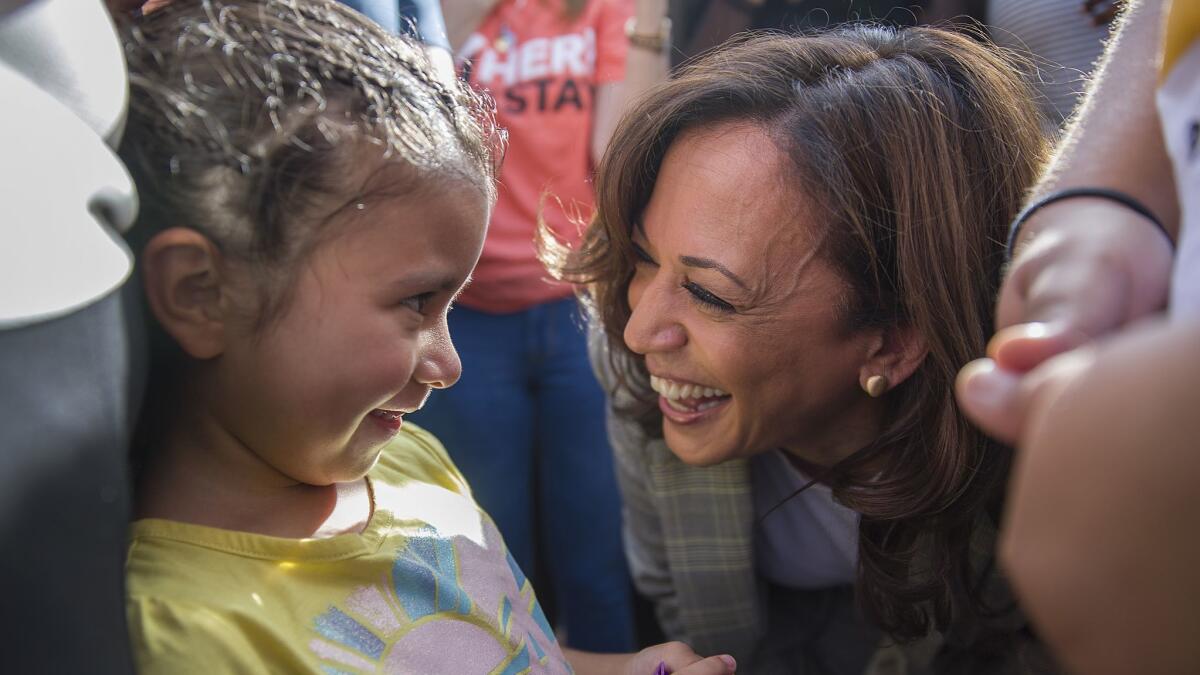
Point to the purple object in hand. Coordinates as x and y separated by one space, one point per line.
662 669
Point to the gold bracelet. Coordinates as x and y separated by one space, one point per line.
655 42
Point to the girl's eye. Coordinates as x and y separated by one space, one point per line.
417 302
640 256
702 296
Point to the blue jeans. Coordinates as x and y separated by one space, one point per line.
418 18
525 424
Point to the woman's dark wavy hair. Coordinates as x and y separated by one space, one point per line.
916 146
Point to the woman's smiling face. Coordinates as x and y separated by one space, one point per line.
739 319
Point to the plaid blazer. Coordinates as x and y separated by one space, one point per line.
689 538
688 535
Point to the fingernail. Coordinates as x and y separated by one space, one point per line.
662 669
729 661
1021 331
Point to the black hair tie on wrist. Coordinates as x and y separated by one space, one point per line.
1069 193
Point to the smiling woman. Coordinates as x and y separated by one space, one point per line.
746 327
797 244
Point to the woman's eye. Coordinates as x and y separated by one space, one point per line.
707 299
640 256
417 302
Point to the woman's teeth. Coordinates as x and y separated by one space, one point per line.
677 391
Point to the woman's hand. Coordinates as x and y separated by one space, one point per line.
678 658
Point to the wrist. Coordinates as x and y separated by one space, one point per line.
1054 217
1033 218
654 36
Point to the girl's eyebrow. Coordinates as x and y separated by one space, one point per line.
434 282
710 264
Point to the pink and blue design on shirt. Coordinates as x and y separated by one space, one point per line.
447 600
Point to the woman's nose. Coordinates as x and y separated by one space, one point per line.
653 324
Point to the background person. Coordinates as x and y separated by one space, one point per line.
526 423
70 362
1093 382
1063 38
705 24
420 19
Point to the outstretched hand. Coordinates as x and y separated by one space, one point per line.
1092 268
680 660
675 657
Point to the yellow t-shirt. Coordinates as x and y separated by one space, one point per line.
1182 27
1179 111
427 587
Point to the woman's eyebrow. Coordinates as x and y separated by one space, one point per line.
710 264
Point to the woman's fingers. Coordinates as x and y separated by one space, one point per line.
713 665
678 659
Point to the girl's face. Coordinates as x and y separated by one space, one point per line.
737 316
362 341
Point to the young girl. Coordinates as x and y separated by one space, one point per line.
313 199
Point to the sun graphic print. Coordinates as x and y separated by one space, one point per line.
454 601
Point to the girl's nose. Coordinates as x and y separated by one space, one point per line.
438 364
653 324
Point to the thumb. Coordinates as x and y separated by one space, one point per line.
990 397
999 401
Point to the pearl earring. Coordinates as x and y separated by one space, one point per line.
877 385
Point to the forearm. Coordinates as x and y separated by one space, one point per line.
1100 538
644 68
1116 139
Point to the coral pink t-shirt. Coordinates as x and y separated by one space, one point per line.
542 69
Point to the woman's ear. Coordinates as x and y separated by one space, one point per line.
894 355
181 271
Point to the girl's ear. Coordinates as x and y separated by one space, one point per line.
181 270
895 354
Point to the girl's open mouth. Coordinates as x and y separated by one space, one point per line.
390 419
